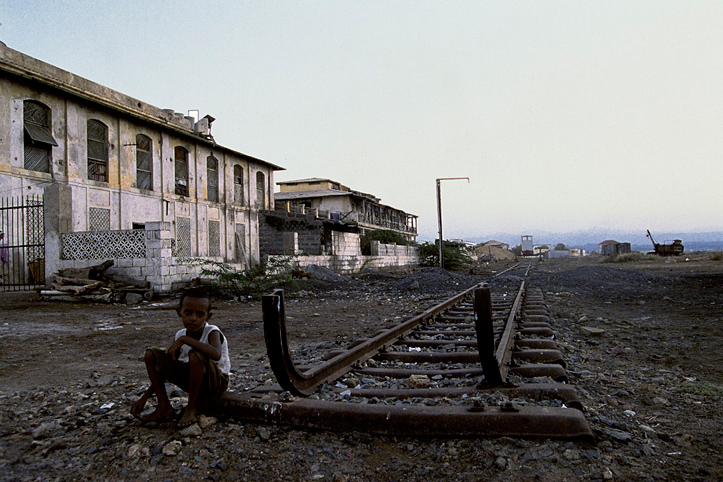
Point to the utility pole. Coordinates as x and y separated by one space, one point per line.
439 212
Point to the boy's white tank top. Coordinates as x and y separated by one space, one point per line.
223 364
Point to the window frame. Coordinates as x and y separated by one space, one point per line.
142 173
38 140
260 190
238 183
95 154
212 191
181 177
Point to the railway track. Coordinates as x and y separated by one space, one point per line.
476 364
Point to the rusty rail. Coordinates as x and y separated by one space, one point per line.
477 339
297 383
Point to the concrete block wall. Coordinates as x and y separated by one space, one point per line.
399 256
164 272
271 238
345 244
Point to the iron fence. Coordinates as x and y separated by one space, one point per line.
22 243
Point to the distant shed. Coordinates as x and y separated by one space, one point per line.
614 248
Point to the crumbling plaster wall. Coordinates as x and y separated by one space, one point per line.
126 203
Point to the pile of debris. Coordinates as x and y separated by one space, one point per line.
94 284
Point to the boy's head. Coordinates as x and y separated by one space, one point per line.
194 308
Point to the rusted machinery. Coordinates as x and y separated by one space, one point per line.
675 249
462 355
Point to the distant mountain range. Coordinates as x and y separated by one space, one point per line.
588 240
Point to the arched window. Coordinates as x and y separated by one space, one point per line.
238 184
181 164
212 178
260 190
97 151
144 162
38 136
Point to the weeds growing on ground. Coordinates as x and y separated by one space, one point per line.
249 283
702 388
717 256
624 258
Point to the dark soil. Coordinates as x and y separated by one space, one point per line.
651 384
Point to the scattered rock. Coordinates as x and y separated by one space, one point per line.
591 331
133 298
418 381
172 448
46 429
204 421
263 433
193 430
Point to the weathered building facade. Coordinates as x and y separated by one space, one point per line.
330 199
110 166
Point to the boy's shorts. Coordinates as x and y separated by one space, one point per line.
177 372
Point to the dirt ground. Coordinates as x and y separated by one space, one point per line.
650 383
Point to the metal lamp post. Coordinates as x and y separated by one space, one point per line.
439 212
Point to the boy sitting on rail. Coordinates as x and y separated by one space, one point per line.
197 362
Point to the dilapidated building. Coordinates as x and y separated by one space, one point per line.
613 248
333 200
120 179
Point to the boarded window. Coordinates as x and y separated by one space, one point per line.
38 136
144 162
212 178
183 237
260 190
240 238
97 151
181 163
238 184
214 238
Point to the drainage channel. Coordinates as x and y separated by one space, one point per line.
477 364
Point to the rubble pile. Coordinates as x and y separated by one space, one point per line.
94 284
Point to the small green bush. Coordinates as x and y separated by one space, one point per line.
455 258
702 388
717 256
249 283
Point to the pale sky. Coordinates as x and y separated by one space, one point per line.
564 115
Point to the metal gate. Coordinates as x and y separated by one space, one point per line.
22 243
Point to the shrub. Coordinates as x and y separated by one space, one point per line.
717 256
249 283
455 257
385 236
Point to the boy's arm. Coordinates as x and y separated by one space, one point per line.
212 349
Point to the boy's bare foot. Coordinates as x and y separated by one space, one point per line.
158 414
189 418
